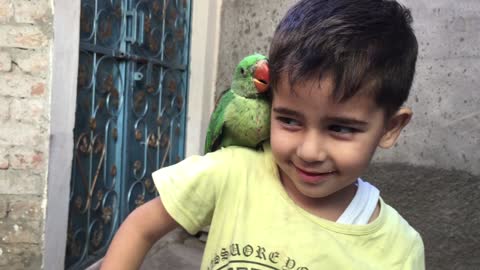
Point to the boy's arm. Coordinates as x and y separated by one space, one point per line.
142 228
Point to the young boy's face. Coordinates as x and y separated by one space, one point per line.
321 147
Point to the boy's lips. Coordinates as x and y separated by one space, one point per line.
312 177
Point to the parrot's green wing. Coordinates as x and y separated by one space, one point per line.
217 120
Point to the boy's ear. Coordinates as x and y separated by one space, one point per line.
394 126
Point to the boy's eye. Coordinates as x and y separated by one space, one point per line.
343 129
288 121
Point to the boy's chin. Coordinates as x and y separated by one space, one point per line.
324 191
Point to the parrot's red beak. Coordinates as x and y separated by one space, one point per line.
261 76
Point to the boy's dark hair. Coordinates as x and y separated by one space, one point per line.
362 43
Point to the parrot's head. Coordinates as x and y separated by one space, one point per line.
251 77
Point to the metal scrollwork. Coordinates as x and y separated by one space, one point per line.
137 165
149 185
107 213
139 200
152 140
130 118
83 145
115 134
97 236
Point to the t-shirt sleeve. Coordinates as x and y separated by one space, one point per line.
416 259
189 189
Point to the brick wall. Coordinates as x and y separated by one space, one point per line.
25 50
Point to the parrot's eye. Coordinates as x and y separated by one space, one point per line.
242 71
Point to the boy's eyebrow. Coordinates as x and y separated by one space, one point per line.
348 121
285 111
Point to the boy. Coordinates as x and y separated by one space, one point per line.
340 72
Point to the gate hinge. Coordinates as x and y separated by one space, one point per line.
135 23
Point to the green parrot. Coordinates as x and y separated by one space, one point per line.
242 114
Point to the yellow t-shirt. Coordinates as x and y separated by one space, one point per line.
255 225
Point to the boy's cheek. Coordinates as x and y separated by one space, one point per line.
281 139
276 130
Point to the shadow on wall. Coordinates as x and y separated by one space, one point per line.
441 204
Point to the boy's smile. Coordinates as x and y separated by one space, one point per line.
321 146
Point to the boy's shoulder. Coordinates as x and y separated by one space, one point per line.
401 239
241 154
398 227
238 160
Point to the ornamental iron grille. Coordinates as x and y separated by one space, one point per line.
130 114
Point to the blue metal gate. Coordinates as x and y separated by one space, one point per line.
130 114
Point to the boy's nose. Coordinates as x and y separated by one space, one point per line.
312 149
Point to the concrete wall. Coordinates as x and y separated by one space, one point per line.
204 29
433 175
445 132
25 51
64 69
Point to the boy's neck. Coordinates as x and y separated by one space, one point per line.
330 207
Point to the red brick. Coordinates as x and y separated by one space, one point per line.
20 256
5 61
26 158
18 84
3 207
6 11
22 36
27 110
35 62
21 182
38 89
4 108
12 232
17 134
4 158
25 207
27 11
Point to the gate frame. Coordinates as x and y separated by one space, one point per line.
205 31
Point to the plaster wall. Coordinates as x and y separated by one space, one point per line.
432 175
